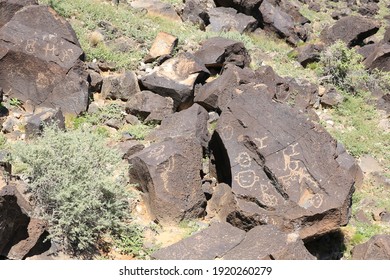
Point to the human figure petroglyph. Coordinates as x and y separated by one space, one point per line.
50 48
288 163
157 152
246 179
227 132
244 160
261 142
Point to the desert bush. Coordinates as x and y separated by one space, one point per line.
77 184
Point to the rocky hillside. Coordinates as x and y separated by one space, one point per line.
203 129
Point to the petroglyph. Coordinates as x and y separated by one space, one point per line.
227 132
317 200
268 199
296 171
244 160
50 48
65 55
167 168
30 46
261 142
157 152
42 81
246 179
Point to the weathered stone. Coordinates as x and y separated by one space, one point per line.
349 163
281 22
122 86
196 11
384 103
217 52
309 53
379 58
43 116
157 8
268 243
227 19
281 168
149 107
189 123
18 232
216 94
129 148
95 81
168 174
163 45
176 78
221 203
377 248
208 244
248 7
366 50
351 29
123 44
8 8
40 60
331 98
369 9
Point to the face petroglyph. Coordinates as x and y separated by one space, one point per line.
246 179
244 159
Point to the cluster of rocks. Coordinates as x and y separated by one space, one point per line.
267 176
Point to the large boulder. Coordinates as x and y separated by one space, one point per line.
8 8
217 52
351 29
176 78
281 167
40 60
196 11
379 58
19 232
157 8
168 174
149 107
189 123
210 243
377 248
227 19
268 243
120 86
281 22
249 7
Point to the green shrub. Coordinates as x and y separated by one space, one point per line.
77 184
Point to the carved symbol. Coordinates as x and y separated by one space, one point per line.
65 55
317 200
157 152
243 159
71 86
167 168
261 141
268 199
246 179
296 173
30 46
42 80
50 49
227 132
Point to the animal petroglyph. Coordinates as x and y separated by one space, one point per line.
244 159
246 179
227 132
296 171
65 55
157 152
261 142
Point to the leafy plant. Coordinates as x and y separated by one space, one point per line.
77 184
15 102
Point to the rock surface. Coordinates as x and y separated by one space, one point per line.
377 248
281 168
40 60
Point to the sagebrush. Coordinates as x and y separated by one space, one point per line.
77 184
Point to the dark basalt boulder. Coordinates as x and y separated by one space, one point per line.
40 60
281 167
377 248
